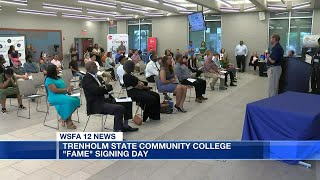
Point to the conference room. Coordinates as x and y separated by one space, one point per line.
162 70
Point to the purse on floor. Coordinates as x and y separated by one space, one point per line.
137 120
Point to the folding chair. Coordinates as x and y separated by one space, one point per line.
47 113
103 121
67 77
157 82
28 91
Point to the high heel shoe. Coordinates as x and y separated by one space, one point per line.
180 109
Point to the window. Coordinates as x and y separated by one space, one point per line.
292 27
139 31
212 36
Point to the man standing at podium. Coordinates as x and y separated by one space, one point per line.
274 65
315 76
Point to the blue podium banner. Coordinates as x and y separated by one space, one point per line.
175 150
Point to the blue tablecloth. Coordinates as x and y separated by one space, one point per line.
288 116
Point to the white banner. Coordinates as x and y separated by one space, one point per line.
19 44
117 41
310 41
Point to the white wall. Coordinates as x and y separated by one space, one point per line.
70 28
246 27
171 32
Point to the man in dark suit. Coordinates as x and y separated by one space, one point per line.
99 101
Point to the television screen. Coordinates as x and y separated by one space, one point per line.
197 22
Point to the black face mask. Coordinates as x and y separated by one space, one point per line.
29 60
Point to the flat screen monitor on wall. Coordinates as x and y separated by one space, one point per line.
196 21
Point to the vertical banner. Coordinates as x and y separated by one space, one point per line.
18 42
117 41
152 44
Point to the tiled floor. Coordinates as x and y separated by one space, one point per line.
221 117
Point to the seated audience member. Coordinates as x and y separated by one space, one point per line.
220 68
185 77
73 65
152 69
168 83
291 53
120 70
178 52
225 63
139 65
8 87
86 58
254 60
42 53
19 72
99 101
139 92
106 76
13 55
211 70
30 66
44 64
109 65
58 96
96 51
103 57
2 62
193 65
56 61
169 56
119 53
130 54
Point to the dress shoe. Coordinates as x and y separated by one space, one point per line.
232 84
129 129
203 98
226 85
234 81
222 88
198 100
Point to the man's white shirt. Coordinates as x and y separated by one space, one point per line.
241 50
152 68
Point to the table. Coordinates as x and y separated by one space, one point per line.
288 116
262 68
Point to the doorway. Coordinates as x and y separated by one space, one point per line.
81 45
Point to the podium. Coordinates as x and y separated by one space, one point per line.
295 76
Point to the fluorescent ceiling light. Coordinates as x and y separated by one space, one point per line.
169 14
277 7
223 2
99 3
30 11
98 12
98 19
134 9
61 7
250 8
16 2
123 16
77 16
154 14
230 9
302 5
207 11
166 3
186 11
154 1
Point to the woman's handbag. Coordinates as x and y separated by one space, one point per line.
137 120
165 107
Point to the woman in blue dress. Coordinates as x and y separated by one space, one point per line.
58 97
168 83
